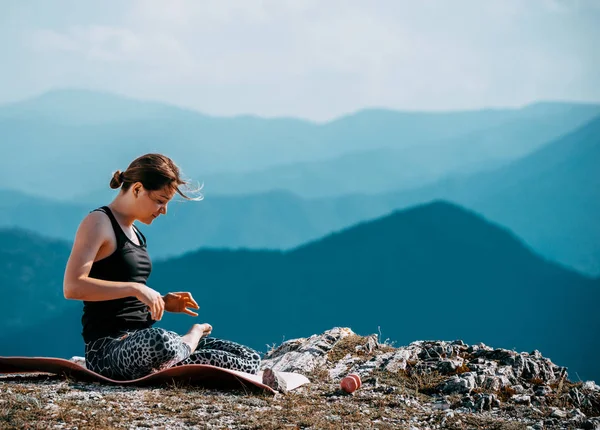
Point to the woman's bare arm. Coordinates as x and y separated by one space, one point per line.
94 231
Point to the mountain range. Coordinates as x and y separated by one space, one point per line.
550 198
434 271
403 167
66 144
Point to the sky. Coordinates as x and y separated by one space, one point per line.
305 58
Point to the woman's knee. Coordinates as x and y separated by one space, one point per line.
162 343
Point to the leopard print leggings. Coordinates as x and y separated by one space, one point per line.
141 352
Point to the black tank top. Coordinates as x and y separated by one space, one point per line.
129 263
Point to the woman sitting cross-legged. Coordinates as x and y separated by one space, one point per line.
108 269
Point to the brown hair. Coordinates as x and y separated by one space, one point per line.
154 171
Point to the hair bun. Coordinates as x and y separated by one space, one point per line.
117 179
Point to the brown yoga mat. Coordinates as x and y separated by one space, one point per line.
194 374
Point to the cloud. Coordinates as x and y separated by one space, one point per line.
98 43
320 59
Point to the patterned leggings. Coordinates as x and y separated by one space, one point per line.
145 351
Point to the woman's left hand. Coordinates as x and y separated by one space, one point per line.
179 302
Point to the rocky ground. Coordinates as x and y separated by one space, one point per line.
424 385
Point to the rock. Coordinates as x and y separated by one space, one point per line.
531 367
591 386
438 350
576 396
370 345
395 361
485 402
542 390
442 370
448 365
467 402
440 406
521 399
591 424
459 384
576 415
304 355
502 356
495 383
518 389
508 373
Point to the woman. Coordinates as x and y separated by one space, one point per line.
108 269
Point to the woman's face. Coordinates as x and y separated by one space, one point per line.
152 204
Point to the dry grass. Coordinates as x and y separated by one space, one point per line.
318 406
505 393
319 374
482 422
463 368
387 400
45 403
561 398
536 381
354 345
411 381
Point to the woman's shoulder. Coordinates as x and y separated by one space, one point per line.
96 222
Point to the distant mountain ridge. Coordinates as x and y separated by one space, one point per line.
393 169
433 271
88 135
80 107
550 199
31 275
563 227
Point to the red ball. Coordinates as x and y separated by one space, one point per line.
351 383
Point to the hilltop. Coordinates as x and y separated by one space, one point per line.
424 385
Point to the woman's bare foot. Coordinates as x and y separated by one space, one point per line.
195 334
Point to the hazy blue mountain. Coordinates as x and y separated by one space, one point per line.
551 198
370 172
394 169
81 107
541 198
71 141
48 217
31 275
430 272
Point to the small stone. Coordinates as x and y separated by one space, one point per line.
542 390
576 414
460 384
591 424
448 365
521 399
591 385
485 402
518 389
441 406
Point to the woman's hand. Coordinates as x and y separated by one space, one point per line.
151 298
178 302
